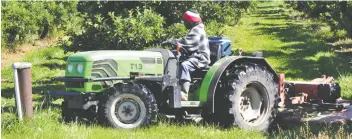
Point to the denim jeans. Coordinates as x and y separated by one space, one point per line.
186 69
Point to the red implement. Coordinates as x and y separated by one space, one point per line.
319 90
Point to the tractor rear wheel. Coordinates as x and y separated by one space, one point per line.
129 106
253 97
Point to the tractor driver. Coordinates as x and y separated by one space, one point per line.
196 42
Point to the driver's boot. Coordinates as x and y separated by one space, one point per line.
184 90
184 96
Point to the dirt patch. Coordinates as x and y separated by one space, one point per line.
8 57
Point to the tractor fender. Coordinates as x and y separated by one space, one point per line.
212 77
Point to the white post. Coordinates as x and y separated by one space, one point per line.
18 97
22 87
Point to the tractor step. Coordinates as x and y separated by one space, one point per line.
189 117
191 104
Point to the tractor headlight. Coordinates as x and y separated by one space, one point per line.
80 68
69 68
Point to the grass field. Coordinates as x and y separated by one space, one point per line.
294 47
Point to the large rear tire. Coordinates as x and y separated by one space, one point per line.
130 106
253 97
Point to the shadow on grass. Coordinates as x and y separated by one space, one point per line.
57 58
40 89
288 32
265 7
52 66
276 16
283 129
301 61
44 100
42 106
290 124
308 130
272 11
301 58
41 86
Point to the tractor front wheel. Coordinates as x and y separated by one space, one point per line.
253 97
130 106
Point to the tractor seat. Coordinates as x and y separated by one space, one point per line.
219 48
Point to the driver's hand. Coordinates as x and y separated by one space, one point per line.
169 42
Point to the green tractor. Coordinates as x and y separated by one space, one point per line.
130 89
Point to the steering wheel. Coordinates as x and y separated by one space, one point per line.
183 52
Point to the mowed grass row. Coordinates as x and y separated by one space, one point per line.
291 46
46 125
270 29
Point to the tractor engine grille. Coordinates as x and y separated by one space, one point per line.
104 68
70 84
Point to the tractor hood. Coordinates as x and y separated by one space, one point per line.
90 56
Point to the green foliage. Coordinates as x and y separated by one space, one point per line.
338 14
111 25
214 28
325 33
345 82
175 30
24 21
136 25
137 30
172 11
224 12
17 22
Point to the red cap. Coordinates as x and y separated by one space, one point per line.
192 17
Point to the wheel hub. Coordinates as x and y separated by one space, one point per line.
251 108
245 103
127 111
